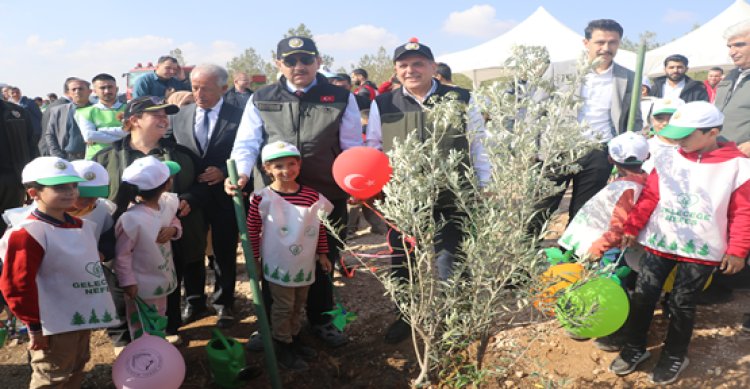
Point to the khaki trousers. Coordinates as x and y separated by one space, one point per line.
61 364
286 310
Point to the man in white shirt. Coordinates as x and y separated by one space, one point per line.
607 93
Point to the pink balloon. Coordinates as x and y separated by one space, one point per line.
362 171
149 362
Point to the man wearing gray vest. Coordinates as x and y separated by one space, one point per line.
322 120
394 115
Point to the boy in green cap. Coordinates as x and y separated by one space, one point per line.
693 214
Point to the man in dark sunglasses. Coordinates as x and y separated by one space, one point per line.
321 120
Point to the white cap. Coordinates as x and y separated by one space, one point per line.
149 173
691 116
49 171
278 149
96 176
628 145
667 105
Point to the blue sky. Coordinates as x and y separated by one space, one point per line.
44 42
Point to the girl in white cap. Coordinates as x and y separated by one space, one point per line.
146 221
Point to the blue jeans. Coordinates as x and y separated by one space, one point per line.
688 283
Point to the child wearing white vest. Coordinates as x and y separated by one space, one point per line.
694 215
146 222
597 227
661 112
288 238
52 278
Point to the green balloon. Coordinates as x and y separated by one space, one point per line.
593 309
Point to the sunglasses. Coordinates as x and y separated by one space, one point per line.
305 59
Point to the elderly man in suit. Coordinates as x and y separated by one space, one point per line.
208 128
606 92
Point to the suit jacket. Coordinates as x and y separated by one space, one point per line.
57 134
735 104
43 148
622 94
219 145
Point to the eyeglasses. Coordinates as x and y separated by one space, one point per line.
305 59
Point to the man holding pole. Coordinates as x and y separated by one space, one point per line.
321 120
607 92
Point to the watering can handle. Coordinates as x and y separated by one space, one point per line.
221 338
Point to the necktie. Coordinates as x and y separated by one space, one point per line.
202 134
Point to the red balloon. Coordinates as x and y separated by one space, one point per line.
362 171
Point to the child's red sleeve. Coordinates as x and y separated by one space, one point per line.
738 224
613 236
254 224
18 281
647 201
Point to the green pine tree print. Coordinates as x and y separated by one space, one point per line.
704 249
309 276
567 239
275 274
300 276
652 240
107 317
158 290
673 246
286 278
93 319
689 247
78 319
662 243
265 269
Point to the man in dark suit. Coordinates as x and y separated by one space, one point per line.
208 128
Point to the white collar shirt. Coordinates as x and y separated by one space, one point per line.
597 94
213 117
673 92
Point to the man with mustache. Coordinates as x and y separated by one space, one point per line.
321 120
606 93
676 84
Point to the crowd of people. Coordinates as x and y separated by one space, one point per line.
142 187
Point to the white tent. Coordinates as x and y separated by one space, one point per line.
705 47
485 61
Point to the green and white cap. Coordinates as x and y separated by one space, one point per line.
691 116
149 173
96 178
49 171
667 105
278 149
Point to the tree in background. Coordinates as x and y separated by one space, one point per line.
250 63
648 36
379 66
177 54
302 30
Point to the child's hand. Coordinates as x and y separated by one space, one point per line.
731 264
628 241
165 234
325 263
184 208
38 341
131 290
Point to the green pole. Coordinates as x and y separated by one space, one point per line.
635 98
260 310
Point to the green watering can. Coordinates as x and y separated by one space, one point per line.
226 358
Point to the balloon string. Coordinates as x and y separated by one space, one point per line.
408 239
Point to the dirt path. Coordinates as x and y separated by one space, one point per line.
719 352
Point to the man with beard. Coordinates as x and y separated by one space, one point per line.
99 123
321 120
676 84
363 86
606 93
711 83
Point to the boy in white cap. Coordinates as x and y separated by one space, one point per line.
287 237
146 221
52 278
693 214
660 114
597 227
